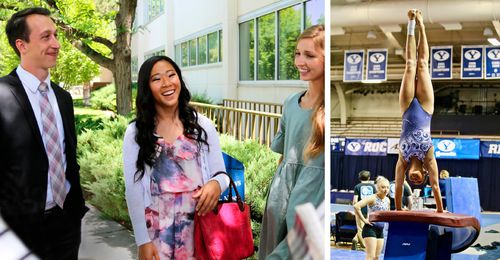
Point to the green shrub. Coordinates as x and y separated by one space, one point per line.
88 122
104 98
201 98
101 168
78 102
260 164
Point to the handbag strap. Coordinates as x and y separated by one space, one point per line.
232 186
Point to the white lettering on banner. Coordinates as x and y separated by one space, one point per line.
354 146
375 147
494 149
237 183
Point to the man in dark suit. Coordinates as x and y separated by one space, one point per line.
40 194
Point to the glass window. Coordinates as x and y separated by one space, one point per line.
202 49
315 12
184 54
289 31
213 48
192 52
156 53
154 8
266 47
247 50
220 45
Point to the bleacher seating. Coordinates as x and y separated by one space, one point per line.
387 127
367 127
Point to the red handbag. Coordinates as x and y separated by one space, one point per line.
224 233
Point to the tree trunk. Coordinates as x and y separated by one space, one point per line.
123 85
86 94
121 56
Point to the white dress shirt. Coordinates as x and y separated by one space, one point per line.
30 84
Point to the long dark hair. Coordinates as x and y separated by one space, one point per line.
146 115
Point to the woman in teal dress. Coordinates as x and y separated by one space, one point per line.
300 176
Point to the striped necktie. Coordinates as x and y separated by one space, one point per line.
53 147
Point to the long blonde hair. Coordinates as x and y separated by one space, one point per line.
316 143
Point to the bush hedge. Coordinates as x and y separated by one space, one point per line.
105 98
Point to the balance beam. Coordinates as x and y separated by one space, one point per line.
410 231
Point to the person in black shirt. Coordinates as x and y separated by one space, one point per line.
362 190
407 200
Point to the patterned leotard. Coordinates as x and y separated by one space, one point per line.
415 137
379 204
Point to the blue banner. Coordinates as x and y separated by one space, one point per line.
337 144
456 148
441 62
490 149
492 62
472 62
376 67
353 65
373 147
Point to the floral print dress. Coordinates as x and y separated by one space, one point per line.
175 178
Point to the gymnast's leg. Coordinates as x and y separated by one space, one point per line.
406 94
371 247
424 90
407 90
380 246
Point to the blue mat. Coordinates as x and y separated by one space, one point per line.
490 219
355 255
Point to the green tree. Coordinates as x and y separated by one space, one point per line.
100 29
73 67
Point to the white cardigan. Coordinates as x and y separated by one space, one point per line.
138 194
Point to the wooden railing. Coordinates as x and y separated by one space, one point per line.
253 105
241 123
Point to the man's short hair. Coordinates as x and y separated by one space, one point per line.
17 27
364 175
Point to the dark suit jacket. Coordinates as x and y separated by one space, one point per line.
23 160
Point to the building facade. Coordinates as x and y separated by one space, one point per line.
234 49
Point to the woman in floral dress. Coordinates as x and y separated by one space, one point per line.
170 153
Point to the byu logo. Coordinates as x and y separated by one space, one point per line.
354 59
446 145
441 55
377 58
354 146
472 54
494 54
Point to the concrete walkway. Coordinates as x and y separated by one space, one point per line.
105 239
